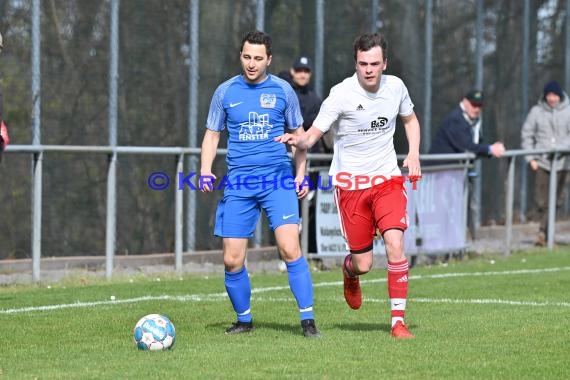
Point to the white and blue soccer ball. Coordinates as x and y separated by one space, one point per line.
154 332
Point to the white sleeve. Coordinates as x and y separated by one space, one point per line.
330 111
406 105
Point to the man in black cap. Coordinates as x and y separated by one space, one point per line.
460 132
299 76
547 126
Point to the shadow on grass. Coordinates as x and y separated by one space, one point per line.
292 328
362 326
385 327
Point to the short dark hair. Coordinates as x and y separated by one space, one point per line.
257 38
366 42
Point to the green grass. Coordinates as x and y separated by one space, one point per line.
476 319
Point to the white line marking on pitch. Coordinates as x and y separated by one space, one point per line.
223 296
439 301
491 302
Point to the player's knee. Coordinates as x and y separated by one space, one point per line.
361 264
290 249
362 268
233 261
394 246
287 237
395 251
290 253
394 242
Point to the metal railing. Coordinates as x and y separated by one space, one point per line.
37 152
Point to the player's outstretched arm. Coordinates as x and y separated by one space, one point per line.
302 141
300 159
412 161
207 156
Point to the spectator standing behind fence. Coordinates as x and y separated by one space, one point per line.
547 126
254 108
362 111
460 132
299 76
4 138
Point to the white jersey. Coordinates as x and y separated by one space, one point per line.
363 126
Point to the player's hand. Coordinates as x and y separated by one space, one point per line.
497 149
294 140
533 165
301 191
287 138
412 162
206 183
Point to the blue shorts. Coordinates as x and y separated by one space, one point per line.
238 211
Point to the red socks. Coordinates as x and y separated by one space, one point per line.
398 287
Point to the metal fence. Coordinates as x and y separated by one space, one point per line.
123 54
41 152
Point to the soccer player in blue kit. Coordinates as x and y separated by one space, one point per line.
254 108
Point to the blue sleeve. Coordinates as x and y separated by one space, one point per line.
217 114
293 117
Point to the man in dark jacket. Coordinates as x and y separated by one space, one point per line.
460 132
299 76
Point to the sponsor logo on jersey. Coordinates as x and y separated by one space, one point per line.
267 100
378 126
360 108
256 128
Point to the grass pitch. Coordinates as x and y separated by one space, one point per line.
487 318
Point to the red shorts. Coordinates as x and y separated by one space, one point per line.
362 212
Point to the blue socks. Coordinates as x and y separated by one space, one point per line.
239 291
238 287
301 286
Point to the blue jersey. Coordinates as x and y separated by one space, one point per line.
253 115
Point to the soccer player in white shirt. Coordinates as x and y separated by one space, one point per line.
369 191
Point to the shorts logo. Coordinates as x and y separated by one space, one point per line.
285 217
267 100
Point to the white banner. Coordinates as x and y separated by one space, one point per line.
436 209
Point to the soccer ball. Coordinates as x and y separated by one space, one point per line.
154 332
